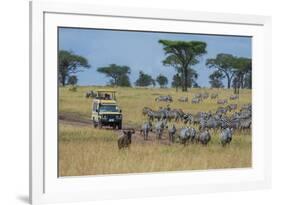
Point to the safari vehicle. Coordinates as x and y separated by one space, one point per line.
105 110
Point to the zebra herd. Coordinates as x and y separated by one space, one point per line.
185 135
239 120
224 118
197 98
218 119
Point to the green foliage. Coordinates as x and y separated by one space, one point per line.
216 79
196 85
118 74
192 76
72 80
243 64
223 63
176 82
243 73
144 80
123 81
69 64
162 80
232 67
181 55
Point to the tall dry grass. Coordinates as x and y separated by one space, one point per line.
87 151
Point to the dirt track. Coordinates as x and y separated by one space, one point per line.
73 119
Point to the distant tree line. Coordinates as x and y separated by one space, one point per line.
236 70
70 64
181 55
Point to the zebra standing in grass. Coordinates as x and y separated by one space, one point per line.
234 97
204 137
183 99
232 107
172 131
226 136
145 129
196 100
159 127
222 101
187 134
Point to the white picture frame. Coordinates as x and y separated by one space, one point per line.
46 186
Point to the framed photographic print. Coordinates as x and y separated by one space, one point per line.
129 102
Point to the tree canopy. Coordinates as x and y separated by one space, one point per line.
118 74
216 79
70 64
182 55
162 80
123 81
231 67
144 80
242 73
224 63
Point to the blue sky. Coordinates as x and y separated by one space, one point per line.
141 51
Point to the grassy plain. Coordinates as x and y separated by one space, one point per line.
84 150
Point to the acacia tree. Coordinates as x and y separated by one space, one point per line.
182 55
176 81
216 79
69 64
72 80
224 63
192 77
144 80
162 80
248 80
118 74
242 68
123 81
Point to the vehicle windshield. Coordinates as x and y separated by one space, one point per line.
106 95
108 108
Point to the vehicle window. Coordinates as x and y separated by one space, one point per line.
108 108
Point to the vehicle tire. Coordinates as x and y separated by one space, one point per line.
95 124
99 124
120 126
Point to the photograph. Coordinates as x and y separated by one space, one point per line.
133 101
